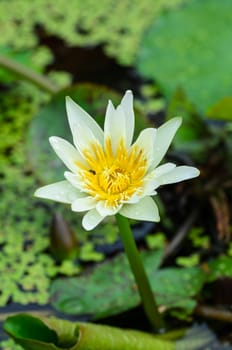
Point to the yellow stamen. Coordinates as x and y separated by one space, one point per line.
113 178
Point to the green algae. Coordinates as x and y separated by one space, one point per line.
119 26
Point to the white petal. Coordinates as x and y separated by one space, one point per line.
110 113
145 141
146 209
61 191
84 138
150 186
163 169
91 219
114 127
127 105
178 174
135 198
74 180
66 152
83 126
83 204
152 179
165 134
110 110
104 210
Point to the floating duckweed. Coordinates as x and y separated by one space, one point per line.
89 254
155 240
68 268
117 25
220 267
24 267
10 345
188 261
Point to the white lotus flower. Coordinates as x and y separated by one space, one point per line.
108 173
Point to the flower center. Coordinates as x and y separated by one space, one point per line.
114 180
113 177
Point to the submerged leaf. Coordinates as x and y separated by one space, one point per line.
200 337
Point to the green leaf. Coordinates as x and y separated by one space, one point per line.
95 294
80 336
52 121
110 288
36 334
31 332
188 48
177 287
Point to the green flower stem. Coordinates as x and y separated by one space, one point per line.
28 74
146 294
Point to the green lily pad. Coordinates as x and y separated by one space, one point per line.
52 121
110 288
188 48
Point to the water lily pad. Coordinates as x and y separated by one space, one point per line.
110 288
188 48
52 120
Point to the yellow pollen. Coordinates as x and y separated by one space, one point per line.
113 178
